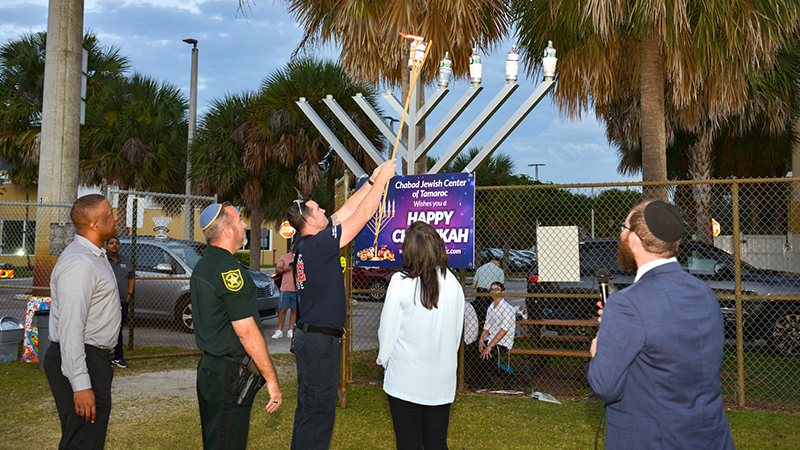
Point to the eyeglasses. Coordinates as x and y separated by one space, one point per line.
624 227
495 290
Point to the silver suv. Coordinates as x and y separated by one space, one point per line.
163 268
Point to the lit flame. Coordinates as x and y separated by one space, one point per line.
411 36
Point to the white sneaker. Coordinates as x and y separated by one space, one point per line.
278 334
290 334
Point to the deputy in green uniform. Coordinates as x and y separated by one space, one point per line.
226 327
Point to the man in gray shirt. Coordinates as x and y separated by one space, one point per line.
84 324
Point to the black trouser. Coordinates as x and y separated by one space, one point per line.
77 433
419 427
318 357
118 349
225 424
481 304
472 375
491 366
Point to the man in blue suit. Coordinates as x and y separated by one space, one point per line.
658 353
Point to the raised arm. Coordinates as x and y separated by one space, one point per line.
353 224
352 203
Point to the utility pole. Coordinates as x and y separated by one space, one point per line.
188 209
60 135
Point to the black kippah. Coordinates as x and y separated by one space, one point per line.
664 221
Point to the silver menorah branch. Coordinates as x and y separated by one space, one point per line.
416 151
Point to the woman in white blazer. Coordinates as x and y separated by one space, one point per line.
419 334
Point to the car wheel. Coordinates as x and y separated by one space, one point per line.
784 334
378 285
183 315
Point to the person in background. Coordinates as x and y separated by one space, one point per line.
126 277
482 281
227 328
498 335
419 335
323 304
84 324
288 300
657 356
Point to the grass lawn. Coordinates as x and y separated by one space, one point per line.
171 421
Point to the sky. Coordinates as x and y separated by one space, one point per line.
236 53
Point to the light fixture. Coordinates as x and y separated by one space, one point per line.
445 71
512 65
475 68
549 62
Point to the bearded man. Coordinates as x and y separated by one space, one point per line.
657 356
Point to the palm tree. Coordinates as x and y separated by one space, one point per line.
756 142
135 137
693 56
222 164
21 85
372 50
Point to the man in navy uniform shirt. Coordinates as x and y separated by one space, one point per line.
322 304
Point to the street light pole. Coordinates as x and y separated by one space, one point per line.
537 169
188 229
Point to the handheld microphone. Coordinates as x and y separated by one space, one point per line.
603 277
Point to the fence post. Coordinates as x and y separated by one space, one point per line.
462 279
134 256
737 264
341 193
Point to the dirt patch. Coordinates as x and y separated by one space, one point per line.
143 394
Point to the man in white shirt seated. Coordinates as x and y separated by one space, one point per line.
497 337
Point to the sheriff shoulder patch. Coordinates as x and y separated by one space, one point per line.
233 280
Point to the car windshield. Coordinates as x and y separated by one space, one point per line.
189 253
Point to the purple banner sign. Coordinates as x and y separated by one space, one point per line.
446 201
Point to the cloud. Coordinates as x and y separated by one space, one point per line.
237 51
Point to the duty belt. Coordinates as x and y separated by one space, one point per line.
330 331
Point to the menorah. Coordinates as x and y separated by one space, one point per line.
417 150
413 116
378 222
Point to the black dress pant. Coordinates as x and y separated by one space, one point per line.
77 433
418 427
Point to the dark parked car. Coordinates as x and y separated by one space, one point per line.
165 265
373 278
518 260
777 321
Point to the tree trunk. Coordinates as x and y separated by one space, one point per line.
701 160
255 235
122 215
794 188
652 125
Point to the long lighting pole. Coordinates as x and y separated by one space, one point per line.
188 229
537 169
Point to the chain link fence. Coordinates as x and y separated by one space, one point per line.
551 240
162 243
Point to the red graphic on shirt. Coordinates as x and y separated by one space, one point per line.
301 273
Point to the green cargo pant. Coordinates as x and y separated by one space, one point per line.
225 424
